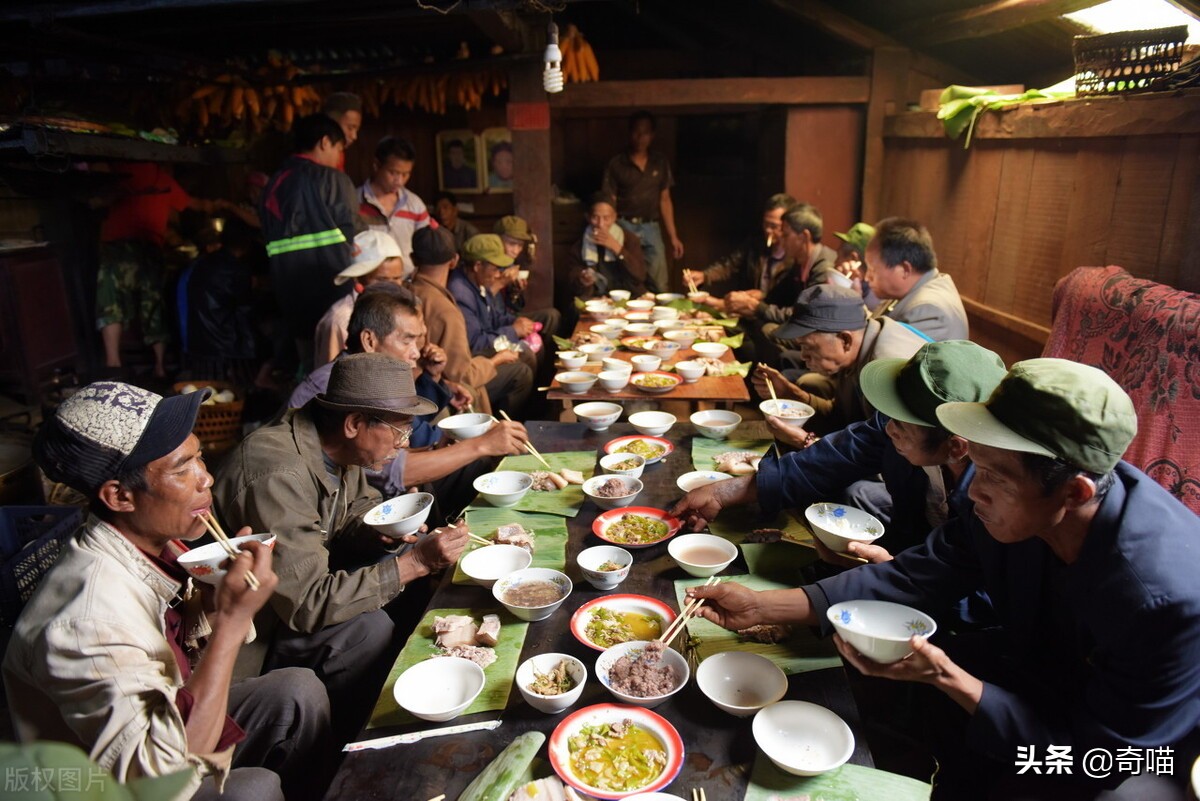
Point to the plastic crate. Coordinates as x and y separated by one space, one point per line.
1126 61
30 540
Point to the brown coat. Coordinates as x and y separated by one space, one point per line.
448 330
628 272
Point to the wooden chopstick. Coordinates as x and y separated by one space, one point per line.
774 397
686 615
529 445
219 535
698 794
438 797
480 540
687 276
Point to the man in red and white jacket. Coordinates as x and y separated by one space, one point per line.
387 205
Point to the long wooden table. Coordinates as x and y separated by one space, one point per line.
719 748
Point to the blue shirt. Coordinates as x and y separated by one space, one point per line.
823 470
1108 647
486 315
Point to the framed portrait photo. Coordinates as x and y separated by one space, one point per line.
498 163
460 167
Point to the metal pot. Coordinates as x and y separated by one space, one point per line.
20 482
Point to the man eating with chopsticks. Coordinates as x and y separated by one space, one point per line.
119 652
303 480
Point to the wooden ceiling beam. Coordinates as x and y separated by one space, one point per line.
986 20
848 29
504 28
724 92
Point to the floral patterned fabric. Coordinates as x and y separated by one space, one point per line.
1147 337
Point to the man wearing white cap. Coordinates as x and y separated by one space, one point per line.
1091 568
377 258
119 652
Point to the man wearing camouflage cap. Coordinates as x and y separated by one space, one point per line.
117 651
1090 566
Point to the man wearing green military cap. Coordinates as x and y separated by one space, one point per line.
1091 569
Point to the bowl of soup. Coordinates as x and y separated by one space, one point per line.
605 622
702 555
611 751
534 593
789 412
604 566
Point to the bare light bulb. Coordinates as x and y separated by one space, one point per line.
552 76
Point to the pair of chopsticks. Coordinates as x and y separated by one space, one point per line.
774 397
480 540
687 277
528 445
697 794
218 533
689 612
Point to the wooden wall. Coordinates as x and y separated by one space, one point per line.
1036 196
823 162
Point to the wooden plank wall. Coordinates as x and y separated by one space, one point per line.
1010 217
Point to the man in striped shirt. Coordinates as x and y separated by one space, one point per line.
387 205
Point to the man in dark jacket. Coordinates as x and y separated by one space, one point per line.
607 256
309 216
757 265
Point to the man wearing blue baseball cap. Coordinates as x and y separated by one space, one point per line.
119 652
1091 569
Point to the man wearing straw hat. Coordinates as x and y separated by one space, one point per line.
303 480
107 655
1091 569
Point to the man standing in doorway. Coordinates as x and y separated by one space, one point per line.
641 181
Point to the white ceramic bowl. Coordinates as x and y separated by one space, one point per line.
614 364
637 316
640 305
576 382
699 478
664 298
801 412
702 555
740 682
801 738
645 363
204 563
466 426
684 336
665 382
880 630
440 688
544 663
572 359
590 559
559 753
653 797
697 297
533 574
400 516
664 349
503 488
664 313
652 424
607 331
670 657
614 380
597 351
640 329
608 461
633 487
598 415
665 326
690 372
713 349
837 525
619 295
715 423
488 564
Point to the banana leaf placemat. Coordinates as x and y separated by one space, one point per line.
704 449
549 536
734 524
778 561
566 501
800 652
420 646
847 783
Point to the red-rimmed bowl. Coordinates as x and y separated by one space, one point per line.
639 604
614 445
639 377
605 521
599 714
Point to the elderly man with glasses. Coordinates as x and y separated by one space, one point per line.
304 480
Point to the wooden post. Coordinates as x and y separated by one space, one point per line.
529 120
889 77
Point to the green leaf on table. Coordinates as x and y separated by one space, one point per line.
421 645
563 344
704 449
734 341
800 652
549 536
567 501
580 304
739 368
847 783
